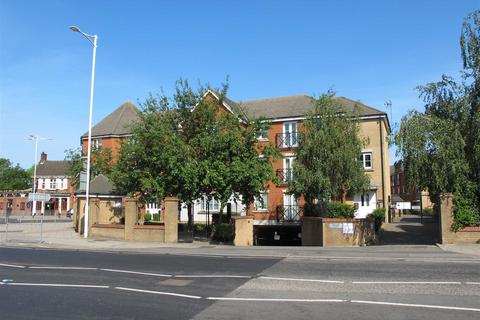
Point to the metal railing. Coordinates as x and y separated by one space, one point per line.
289 213
286 140
285 175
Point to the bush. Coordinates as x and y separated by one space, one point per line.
378 216
464 213
147 217
156 217
314 210
222 232
200 229
340 210
428 212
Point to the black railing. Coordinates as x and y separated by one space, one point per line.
290 213
286 140
285 175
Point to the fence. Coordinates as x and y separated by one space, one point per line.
28 229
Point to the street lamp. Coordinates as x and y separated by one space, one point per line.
93 41
36 139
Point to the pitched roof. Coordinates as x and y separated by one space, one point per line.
297 106
117 123
52 168
101 185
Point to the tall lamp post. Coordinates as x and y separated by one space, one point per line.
34 189
93 40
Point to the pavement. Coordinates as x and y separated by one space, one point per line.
60 235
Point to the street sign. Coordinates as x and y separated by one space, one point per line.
415 207
39 196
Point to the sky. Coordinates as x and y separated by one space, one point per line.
371 51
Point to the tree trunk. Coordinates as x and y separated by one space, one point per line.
190 215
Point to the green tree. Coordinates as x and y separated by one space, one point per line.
440 147
327 166
185 147
13 177
101 162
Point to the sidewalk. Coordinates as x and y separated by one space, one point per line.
62 236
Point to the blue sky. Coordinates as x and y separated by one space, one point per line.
370 51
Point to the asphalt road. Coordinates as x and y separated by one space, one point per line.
57 284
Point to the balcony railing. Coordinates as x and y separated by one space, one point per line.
286 140
285 175
290 213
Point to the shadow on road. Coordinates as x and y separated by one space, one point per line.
410 230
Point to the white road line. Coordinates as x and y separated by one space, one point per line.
63 268
160 293
472 282
136 272
11 265
56 285
209 276
406 282
299 279
274 300
416 305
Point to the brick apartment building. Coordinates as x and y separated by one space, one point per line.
285 115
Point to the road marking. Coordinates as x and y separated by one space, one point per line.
64 268
274 300
406 282
415 305
299 279
57 285
11 265
472 282
136 272
160 293
209 276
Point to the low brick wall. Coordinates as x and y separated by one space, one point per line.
149 233
465 235
336 232
111 231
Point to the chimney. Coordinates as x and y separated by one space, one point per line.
43 157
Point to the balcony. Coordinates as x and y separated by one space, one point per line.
289 213
285 175
286 140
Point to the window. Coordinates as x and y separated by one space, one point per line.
365 198
263 134
42 183
289 134
53 184
261 203
366 160
97 143
213 205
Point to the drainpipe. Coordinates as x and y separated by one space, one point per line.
382 164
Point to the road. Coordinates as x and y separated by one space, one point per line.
62 284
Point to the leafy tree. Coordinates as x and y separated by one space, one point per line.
186 147
13 177
101 162
440 147
327 166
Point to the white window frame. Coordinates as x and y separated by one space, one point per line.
53 184
290 127
364 161
261 203
262 135
97 143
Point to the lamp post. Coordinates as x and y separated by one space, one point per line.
93 40
34 189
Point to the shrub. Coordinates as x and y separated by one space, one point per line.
378 216
314 210
464 213
147 217
340 210
428 212
200 229
222 232
156 217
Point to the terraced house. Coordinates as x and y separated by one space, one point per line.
285 115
